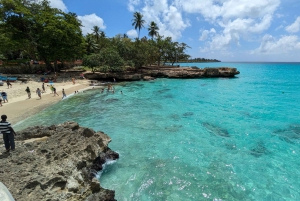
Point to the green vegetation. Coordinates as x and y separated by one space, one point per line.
32 30
198 60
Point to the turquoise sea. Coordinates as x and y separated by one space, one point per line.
197 139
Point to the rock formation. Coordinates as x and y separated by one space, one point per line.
166 72
57 163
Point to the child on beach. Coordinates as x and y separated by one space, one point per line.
39 93
28 92
43 87
54 91
64 94
8 84
4 96
51 88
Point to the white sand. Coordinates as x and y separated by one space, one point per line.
20 107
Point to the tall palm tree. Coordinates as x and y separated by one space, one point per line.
102 34
91 45
153 29
96 32
138 21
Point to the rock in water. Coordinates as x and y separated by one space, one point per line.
57 163
216 129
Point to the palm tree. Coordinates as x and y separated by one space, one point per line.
91 45
102 34
96 32
153 29
138 21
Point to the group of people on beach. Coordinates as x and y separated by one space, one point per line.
39 91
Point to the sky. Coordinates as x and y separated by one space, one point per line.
228 30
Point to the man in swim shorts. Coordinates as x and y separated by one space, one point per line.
4 96
28 92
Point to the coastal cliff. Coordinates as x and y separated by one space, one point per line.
167 72
58 162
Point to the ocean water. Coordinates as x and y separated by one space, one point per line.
197 139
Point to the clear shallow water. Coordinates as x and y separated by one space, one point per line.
197 139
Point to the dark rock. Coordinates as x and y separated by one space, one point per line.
188 114
258 149
88 132
216 130
148 73
60 167
290 134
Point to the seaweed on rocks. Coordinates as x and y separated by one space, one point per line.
216 129
259 149
290 134
188 114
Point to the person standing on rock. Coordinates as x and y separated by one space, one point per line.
8 134
28 92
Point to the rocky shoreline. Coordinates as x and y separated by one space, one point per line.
149 73
57 163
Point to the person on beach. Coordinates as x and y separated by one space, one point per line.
51 88
8 84
54 91
0 101
39 92
8 134
28 92
73 80
4 96
64 94
43 88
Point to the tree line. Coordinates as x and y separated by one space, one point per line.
35 31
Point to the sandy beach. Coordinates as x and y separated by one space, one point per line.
19 107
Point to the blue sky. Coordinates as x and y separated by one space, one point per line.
228 30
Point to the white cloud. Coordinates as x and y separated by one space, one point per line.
206 33
132 33
229 9
167 16
88 21
58 4
238 19
283 45
132 4
295 27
